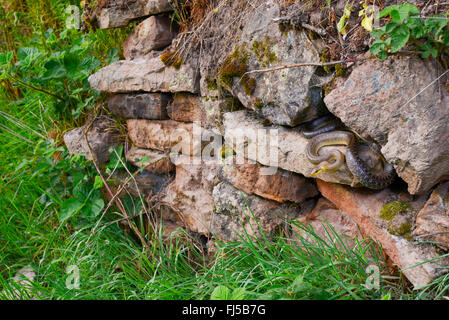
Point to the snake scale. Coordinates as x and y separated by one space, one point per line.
324 132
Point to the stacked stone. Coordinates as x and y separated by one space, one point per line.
214 195
162 104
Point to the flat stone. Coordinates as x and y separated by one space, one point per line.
103 134
20 284
208 111
158 161
173 136
324 216
118 13
237 213
432 222
189 197
364 207
213 110
163 135
274 146
154 33
145 184
286 97
280 186
152 106
398 103
149 75
185 107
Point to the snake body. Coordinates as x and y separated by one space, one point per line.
320 125
321 135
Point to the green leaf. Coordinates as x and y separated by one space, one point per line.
5 58
416 27
116 155
443 23
238 294
395 16
27 56
341 25
221 293
399 38
382 55
377 46
98 182
377 33
300 286
69 208
429 51
401 13
89 64
82 191
71 63
93 208
385 12
386 297
54 70
446 38
390 26
409 9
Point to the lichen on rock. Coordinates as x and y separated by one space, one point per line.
391 209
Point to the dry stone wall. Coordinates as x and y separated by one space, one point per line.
238 157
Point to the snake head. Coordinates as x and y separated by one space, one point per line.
315 172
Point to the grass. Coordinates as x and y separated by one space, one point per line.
37 175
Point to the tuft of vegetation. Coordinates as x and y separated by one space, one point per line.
428 35
236 65
171 58
263 52
391 209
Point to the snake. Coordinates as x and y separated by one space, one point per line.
322 132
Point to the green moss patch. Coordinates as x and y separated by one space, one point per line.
235 65
399 229
211 84
262 50
390 210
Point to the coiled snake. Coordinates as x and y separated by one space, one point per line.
322 132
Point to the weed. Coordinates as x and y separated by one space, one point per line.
428 35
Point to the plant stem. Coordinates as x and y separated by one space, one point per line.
23 83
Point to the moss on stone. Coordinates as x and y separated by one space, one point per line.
232 104
231 70
324 59
235 65
227 151
390 210
248 84
211 84
258 104
399 229
262 50
284 28
340 70
171 58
